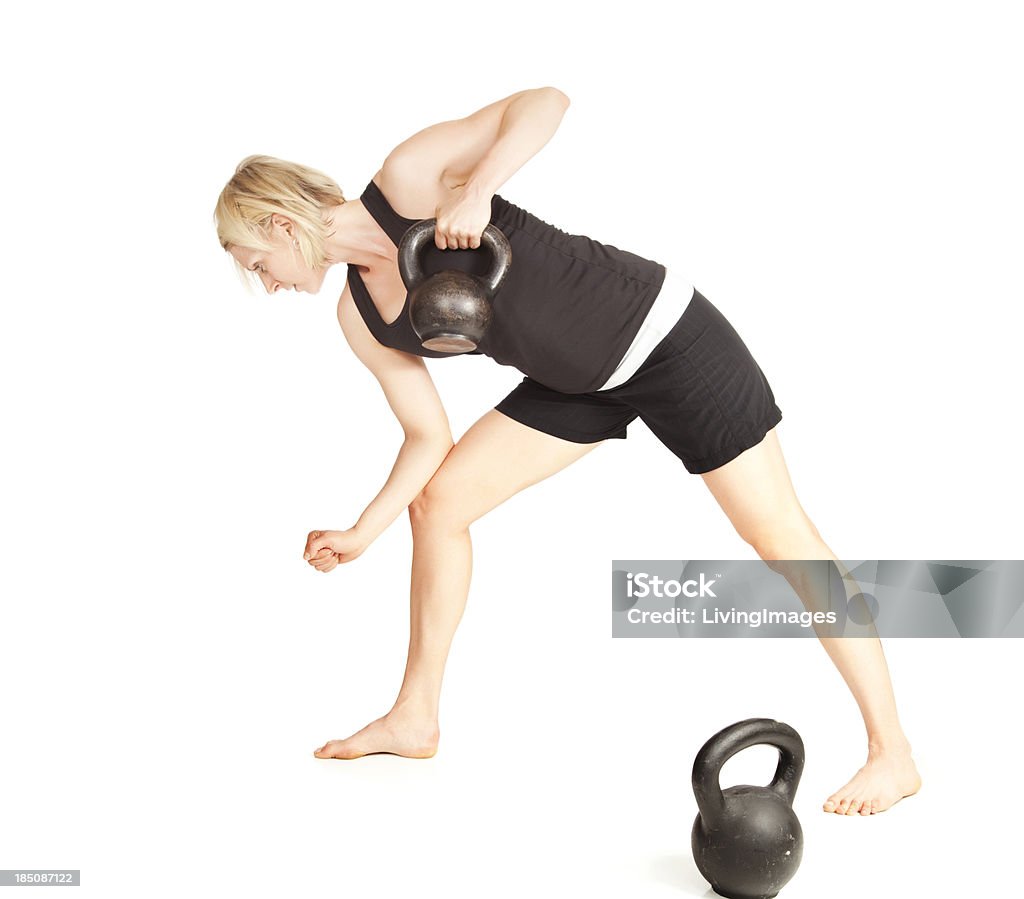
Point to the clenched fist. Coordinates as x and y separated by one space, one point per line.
325 550
461 218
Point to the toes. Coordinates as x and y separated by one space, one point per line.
865 809
325 751
854 807
338 749
829 805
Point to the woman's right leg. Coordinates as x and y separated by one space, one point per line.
495 459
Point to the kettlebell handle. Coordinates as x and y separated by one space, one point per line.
707 766
417 237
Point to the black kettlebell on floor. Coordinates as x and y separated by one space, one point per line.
450 310
747 841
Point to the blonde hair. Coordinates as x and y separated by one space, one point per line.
265 185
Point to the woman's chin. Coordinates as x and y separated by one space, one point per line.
318 283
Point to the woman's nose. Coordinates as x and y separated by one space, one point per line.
269 284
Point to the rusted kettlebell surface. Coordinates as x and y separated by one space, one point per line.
450 310
747 841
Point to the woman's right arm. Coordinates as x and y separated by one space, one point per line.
413 398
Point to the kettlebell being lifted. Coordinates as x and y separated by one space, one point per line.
747 841
450 310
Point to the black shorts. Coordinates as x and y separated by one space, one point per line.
699 391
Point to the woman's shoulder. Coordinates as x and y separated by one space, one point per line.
412 194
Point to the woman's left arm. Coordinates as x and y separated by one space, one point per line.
527 124
474 156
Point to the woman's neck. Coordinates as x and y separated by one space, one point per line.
357 238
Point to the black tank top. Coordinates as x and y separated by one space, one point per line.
566 313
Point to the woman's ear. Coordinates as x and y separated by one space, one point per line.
285 224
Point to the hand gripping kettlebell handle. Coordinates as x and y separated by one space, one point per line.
707 766
418 236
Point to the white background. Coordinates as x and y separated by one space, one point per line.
842 180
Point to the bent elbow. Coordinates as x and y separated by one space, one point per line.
556 92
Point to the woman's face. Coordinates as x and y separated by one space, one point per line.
282 267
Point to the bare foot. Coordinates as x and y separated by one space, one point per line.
398 732
888 776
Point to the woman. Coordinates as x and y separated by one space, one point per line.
603 336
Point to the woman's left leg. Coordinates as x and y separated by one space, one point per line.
756 492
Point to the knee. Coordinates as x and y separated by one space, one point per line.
437 506
792 537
